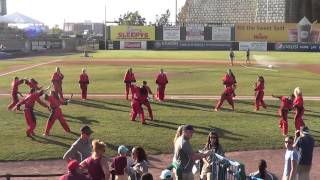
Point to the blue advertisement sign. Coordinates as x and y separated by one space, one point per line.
304 47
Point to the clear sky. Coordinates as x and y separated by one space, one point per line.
53 12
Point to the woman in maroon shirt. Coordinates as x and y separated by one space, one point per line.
97 163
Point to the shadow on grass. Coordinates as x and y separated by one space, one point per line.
198 129
62 137
114 104
174 104
45 140
94 105
269 106
204 106
79 119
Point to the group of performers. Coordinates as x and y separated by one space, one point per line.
295 101
140 96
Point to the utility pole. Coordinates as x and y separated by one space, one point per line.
105 26
176 12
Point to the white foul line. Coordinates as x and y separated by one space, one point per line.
259 68
30 67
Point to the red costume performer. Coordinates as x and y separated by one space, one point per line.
56 112
128 79
14 92
299 109
226 95
144 92
84 81
285 107
29 101
259 92
136 106
56 80
32 83
229 80
161 81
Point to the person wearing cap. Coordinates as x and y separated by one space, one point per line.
166 175
82 147
119 163
304 143
184 155
73 172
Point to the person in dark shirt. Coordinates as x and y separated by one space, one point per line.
119 163
304 143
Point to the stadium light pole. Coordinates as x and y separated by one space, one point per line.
176 12
267 10
105 26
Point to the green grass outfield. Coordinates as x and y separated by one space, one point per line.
243 129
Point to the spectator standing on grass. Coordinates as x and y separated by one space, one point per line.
184 155
248 56
262 173
231 56
119 163
214 145
73 172
304 144
82 147
291 160
140 165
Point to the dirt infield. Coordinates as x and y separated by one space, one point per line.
274 158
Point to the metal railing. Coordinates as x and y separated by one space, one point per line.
9 176
226 169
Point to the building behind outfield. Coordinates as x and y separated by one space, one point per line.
217 12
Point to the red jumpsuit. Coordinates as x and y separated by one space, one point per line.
32 84
229 81
161 81
299 111
144 92
57 83
259 96
84 81
56 113
285 106
136 106
30 118
14 93
226 95
128 79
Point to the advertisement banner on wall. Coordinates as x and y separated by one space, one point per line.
277 32
133 45
303 47
171 33
253 46
195 33
221 33
136 33
192 45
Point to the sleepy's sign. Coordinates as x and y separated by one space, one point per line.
141 33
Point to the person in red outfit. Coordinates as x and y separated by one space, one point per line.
298 105
32 83
14 92
56 113
28 102
74 172
136 106
144 92
229 80
285 106
226 95
161 81
84 81
259 93
56 80
128 79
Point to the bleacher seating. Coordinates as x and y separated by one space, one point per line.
232 11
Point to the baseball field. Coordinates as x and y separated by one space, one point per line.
190 73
